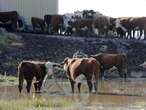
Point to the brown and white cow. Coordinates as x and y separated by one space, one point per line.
89 67
124 26
131 24
108 61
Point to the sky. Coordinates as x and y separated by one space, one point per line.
113 8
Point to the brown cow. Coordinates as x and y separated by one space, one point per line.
127 23
10 16
38 23
139 24
102 24
56 24
47 19
107 61
82 25
89 67
28 70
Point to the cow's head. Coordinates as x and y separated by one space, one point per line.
65 63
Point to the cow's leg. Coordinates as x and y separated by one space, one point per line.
20 86
28 86
36 86
40 85
122 73
102 72
89 82
96 82
134 33
79 87
72 85
141 32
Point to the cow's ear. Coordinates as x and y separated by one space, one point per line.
66 60
92 56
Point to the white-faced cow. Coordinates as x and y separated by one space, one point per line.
34 69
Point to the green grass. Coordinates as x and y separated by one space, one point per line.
8 78
34 104
9 39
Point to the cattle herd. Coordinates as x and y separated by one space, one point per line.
91 67
82 23
86 23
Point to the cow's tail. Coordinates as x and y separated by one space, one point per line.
20 77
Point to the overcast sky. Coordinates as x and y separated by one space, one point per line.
113 8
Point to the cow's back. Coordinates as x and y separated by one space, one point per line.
27 69
84 66
30 69
47 19
5 16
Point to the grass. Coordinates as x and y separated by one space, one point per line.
4 78
9 39
34 104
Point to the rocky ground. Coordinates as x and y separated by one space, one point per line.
55 48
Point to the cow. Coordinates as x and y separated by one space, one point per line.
34 69
101 25
11 18
38 23
89 67
88 14
108 61
47 19
82 26
68 18
28 70
129 25
139 24
56 24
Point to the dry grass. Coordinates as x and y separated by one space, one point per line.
34 104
